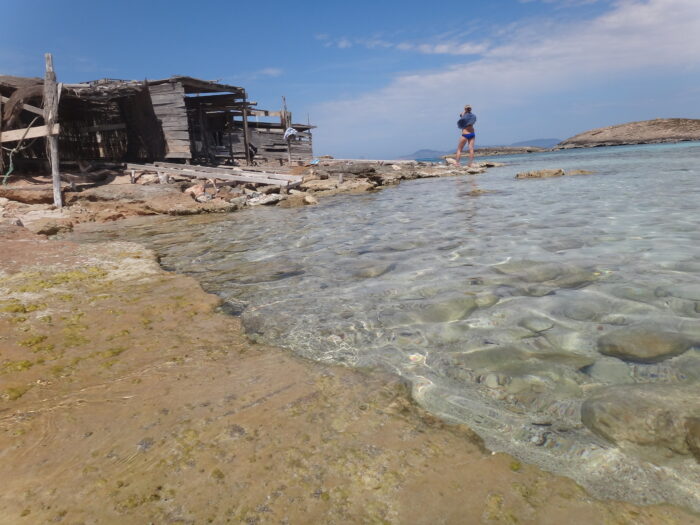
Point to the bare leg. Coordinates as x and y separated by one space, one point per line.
460 147
471 151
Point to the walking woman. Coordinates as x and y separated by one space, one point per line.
466 124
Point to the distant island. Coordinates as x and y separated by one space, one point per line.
644 132
527 146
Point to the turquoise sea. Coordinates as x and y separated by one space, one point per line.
559 318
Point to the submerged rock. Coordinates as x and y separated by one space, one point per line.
540 174
657 418
640 344
536 324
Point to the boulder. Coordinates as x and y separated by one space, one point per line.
642 344
657 418
319 185
359 169
196 190
42 194
310 199
50 226
273 198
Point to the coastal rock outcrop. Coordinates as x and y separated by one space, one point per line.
643 132
546 174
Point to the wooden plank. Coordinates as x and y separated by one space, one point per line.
37 131
225 170
176 134
178 149
27 107
230 171
187 171
180 155
103 127
263 113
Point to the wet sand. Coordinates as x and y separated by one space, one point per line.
127 397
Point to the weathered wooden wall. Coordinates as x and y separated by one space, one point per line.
169 106
269 142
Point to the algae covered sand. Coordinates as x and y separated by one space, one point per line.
126 396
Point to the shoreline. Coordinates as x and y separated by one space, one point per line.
118 423
29 202
145 359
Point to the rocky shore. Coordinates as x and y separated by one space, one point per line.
104 416
28 202
644 132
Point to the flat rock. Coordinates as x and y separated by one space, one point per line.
657 417
540 174
272 198
640 344
127 193
319 185
50 226
41 194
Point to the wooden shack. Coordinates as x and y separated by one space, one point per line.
179 119
109 120
213 122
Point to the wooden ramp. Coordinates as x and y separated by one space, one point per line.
226 174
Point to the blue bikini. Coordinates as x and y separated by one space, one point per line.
469 135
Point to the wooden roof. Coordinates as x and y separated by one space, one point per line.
197 85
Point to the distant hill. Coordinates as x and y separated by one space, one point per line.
425 154
644 132
538 143
526 146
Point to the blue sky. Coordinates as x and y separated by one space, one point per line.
385 78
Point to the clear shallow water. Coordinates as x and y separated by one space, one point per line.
491 306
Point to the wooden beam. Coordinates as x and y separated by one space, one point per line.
27 107
246 139
263 113
103 127
225 170
2 164
213 173
37 131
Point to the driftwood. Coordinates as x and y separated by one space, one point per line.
16 103
285 182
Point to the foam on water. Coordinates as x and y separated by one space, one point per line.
491 306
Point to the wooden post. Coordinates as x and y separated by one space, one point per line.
228 119
2 166
286 123
246 143
50 118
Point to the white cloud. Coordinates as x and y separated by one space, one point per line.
633 36
439 46
268 72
